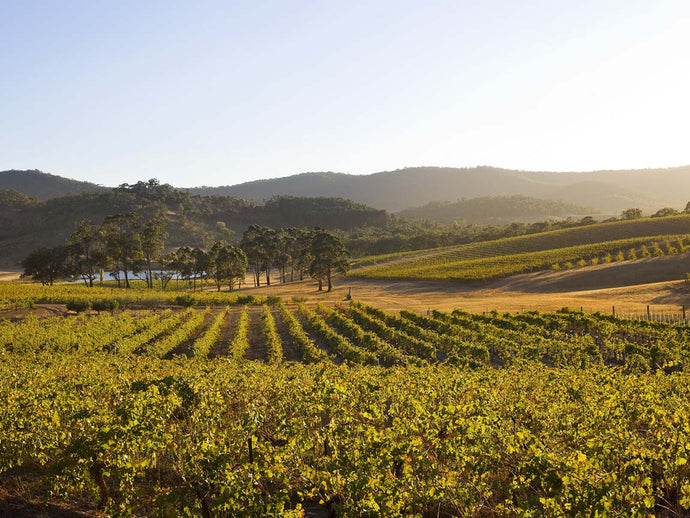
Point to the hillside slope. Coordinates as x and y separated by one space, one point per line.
27 224
509 256
606 191
495 210
42 185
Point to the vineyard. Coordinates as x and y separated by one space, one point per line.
508 256
287 409
26 295
503 263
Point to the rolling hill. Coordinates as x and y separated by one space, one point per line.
559 248
28 223
495 210
42 185
607 191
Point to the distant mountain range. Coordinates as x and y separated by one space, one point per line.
499 210
607 192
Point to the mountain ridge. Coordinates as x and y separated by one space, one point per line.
37 184
607 191
415 186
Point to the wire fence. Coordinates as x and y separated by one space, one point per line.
668 316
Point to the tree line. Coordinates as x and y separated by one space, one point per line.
124 245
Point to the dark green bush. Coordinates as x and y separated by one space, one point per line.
273 300
78 305
246 300
185 300
105 305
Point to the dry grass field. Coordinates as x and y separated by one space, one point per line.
629 286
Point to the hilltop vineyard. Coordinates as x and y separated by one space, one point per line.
294 410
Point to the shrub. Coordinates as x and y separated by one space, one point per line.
581 263
105 305
78 305
247 300
657 251
632 254
186 300
594 261
150 302
556 266
606 258
272 300
298 299
644 251
568 265
620 256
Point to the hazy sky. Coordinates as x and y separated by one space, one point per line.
221 92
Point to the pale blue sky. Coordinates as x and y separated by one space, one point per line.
221 92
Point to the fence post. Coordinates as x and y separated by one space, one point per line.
683 312
613 310
649 316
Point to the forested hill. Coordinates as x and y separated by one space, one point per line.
607 191
495 210
28 223
42 185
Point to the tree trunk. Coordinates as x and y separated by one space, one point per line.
126 275
320 284
330 284
149 276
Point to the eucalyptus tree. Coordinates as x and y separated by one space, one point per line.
227 264
329 256
153 236
48 264
256 243
123 245
87 251
182 263
200 266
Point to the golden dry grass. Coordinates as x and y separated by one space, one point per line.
630 286
9 276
